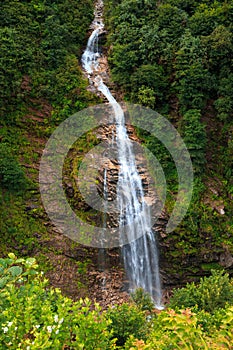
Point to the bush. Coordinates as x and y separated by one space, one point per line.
12 176
211 293
142 300
33 316
195 139
182 330
126 320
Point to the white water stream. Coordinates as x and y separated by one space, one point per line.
141 255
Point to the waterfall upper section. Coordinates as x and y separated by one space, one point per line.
140 255
91 56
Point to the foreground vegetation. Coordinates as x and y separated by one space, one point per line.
34 316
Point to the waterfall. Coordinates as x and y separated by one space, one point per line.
140 256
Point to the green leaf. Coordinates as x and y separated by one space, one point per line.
15 270
12 256
19 261
6 262
32 272
3 282
30 262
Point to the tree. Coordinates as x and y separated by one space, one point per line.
123 60
16 57
224 103
12 176
204 20
194 136
193 81
219 47
171 18
148 83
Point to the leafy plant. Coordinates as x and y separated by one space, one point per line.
126 320
194 136
142 300
12 176
181 330
211 293
34 316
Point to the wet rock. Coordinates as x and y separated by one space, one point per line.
226 259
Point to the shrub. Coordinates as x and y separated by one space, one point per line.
142 300
182 330
126 320
12 175
194 136
211 293
33 316
176 330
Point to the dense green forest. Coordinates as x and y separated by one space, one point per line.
172 56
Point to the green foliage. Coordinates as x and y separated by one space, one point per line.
41 85
194 136
218 47
126 320
172 20
206 17
210 322
193 81
224 103
133 49
142 300
211 293
148 83
36 39
13 54
35 317
176 330
83 266
19 223
12 176
181 330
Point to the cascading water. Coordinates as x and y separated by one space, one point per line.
140 255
